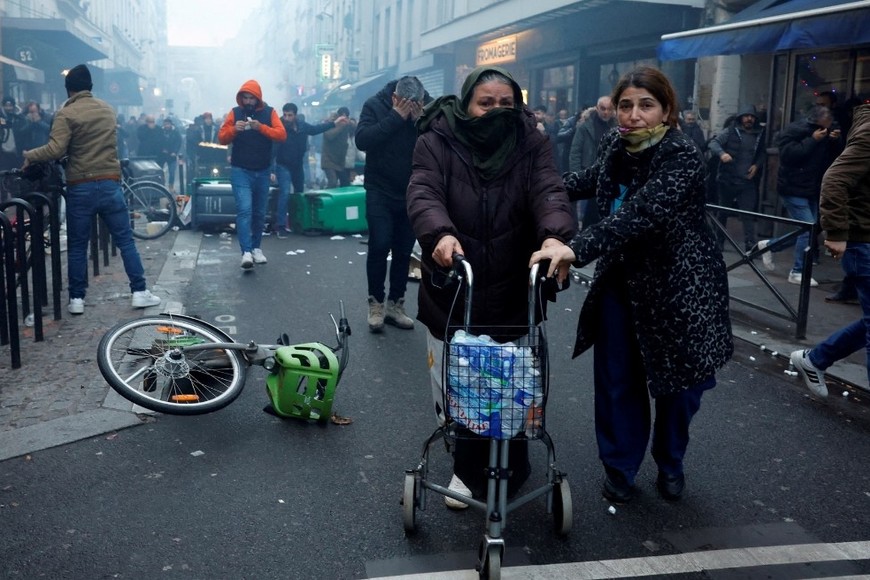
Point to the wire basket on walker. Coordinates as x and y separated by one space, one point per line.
495 386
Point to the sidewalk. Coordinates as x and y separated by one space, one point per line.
58 395
777 335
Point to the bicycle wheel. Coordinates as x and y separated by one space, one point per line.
165 364
152 209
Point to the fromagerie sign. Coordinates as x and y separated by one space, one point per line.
497 51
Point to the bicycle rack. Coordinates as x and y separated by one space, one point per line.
9 314
40 200
33 225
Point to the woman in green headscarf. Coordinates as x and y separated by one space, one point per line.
484 184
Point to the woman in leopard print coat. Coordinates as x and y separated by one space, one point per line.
657 308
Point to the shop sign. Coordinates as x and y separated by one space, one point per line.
325 66
498 51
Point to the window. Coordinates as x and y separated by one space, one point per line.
816 73
557 89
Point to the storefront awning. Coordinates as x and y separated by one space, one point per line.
22 72
359 90
370 84
775 25
49 35
121 87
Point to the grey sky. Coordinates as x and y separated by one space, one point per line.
204 22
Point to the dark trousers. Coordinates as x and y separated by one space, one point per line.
337 177
389 231
740 196
622 401
286 176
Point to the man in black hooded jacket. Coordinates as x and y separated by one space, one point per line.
387 134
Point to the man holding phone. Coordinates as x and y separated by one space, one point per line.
251 127
807 147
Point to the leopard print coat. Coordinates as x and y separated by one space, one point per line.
660 243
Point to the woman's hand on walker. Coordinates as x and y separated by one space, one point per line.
560 256
444 250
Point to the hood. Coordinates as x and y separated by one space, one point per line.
252 87
465 93
386 93
748 110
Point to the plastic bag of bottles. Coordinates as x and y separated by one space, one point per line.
493 389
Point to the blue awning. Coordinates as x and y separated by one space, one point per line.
771 26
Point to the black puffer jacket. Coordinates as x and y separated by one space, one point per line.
803 160
659 241
499 223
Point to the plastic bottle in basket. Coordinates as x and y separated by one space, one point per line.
532 386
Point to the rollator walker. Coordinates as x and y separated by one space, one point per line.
495 386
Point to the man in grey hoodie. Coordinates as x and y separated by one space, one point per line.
741 152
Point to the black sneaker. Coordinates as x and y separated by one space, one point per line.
281 234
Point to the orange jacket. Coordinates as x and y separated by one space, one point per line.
274 131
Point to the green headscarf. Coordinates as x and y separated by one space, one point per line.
491 138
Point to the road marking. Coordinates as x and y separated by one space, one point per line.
672 564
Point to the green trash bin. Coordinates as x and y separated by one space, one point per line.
341 210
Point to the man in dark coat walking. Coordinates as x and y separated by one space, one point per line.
288 157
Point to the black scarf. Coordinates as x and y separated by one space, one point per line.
490 138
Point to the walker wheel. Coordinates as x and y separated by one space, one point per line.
409 503
563 517
490 568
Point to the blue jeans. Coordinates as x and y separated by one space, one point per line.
251 190
286 177
805 210
855 336
622 401
389 231
83 202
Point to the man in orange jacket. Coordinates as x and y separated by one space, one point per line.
251 127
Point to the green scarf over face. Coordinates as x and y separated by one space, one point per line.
491 138
639 139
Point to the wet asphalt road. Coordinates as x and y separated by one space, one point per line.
241 494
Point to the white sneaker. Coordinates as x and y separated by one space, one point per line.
144 299
247 261
813 377
459 487
796 278
766 257
76 306
258 256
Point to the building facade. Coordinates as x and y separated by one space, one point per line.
123 43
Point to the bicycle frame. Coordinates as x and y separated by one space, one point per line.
181 365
